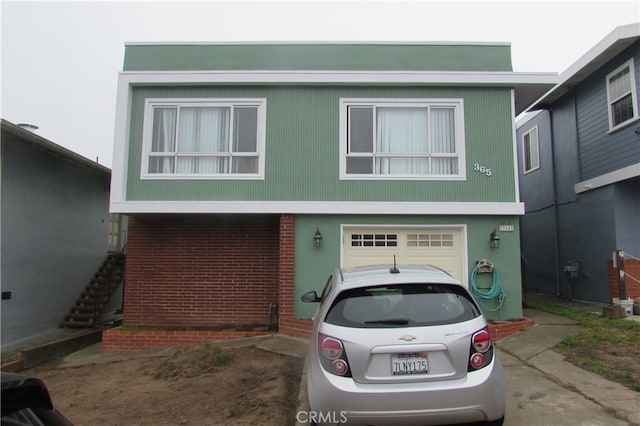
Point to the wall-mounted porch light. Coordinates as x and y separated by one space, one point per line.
317 238
494 240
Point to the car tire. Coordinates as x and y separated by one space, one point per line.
497 422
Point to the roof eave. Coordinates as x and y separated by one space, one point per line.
608 48
45 144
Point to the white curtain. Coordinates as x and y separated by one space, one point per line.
163 140
402 131
203 130
443 141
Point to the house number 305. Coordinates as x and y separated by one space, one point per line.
482 169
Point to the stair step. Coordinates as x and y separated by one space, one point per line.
97 293
79 324
82 308
92 293
83 301
87 302
71 316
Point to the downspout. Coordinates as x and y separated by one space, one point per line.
556 238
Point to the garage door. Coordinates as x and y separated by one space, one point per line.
442 247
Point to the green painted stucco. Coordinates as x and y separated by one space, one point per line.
337 56
314 265
302 148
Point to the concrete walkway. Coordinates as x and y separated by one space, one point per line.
544 389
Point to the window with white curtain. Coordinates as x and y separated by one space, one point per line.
622 95
402 138
204 138
530 150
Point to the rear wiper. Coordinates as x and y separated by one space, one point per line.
391 321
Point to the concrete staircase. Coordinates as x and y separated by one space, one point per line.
97 293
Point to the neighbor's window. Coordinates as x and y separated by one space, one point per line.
530 150
200 138
402 138
622 95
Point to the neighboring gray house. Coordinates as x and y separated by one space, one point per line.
55 220
579 170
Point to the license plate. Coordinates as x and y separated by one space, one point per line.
412 363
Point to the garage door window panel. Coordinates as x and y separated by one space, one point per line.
374 240
429 240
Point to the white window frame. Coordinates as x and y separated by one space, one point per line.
151 103
633 91
533 154
457 104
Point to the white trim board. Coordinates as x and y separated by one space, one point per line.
318 207
608 178
492 78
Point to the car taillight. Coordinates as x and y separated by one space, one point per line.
481 350
481 341
331 348
332 355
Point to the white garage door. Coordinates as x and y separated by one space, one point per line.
442 247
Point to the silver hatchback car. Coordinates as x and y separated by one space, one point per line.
401 345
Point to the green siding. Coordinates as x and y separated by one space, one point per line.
361 57
302 149
313 265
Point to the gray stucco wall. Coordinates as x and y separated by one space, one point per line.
54 236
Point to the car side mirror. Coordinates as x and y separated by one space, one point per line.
310 296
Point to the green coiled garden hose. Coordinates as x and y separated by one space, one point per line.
494 292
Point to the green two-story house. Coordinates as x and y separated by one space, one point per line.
250 171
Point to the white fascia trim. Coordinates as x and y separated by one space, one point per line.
492 78
609 178
514 145
619 33
317 42
121 142
318 207
525 117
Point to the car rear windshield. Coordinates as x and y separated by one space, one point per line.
403 305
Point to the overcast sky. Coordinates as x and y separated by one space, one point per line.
60 60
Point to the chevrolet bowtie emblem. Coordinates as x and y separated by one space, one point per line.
408 337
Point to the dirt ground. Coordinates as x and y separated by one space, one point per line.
198 385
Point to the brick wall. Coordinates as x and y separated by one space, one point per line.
200 271
632 269
501 329
287 324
